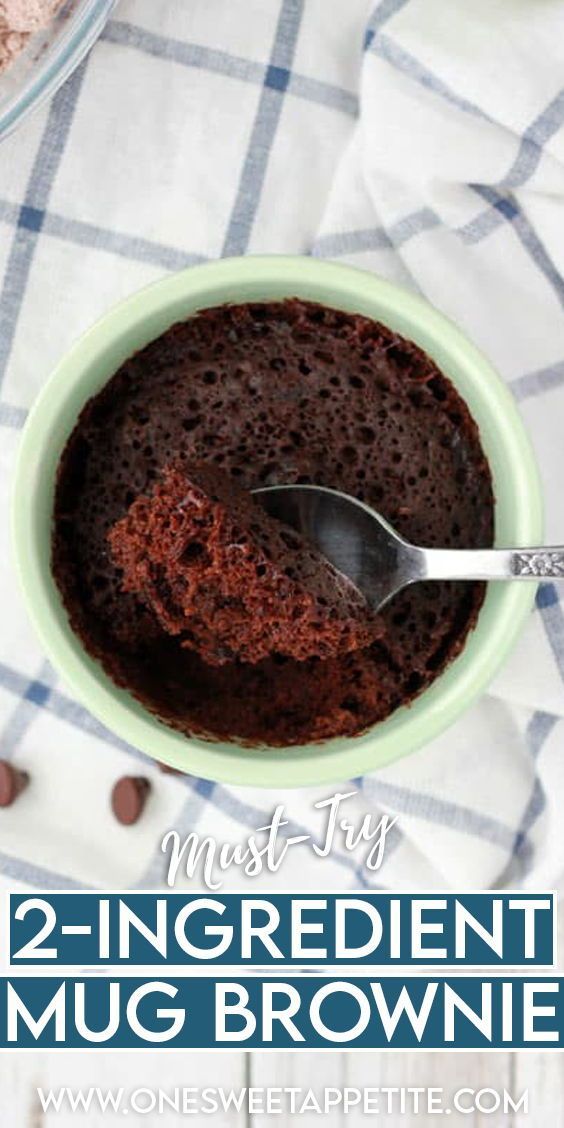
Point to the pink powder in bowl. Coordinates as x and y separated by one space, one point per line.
18 20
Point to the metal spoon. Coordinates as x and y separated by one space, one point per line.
362 545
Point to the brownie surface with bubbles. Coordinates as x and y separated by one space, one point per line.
274 393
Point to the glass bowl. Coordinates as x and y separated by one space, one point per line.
49 58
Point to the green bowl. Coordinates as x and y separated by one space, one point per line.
130 326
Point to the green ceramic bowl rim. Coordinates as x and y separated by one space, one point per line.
140 319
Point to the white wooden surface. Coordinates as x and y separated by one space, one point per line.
20 1075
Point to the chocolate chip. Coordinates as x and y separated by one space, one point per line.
129 796
12 783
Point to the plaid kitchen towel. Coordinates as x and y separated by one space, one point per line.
420 139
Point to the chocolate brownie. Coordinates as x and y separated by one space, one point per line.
273 393
229 581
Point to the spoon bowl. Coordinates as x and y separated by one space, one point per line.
362 545
356 539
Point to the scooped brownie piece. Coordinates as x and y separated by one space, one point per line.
232 582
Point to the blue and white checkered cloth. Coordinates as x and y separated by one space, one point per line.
420 139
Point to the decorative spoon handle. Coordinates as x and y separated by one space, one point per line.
543 563
493 563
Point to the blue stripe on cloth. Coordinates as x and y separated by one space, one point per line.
481 226
527 160
382 12
527 236
522 847
263 133
230 66
539 729
533 140
536 383
83 234
441 811
62 707
192 55
45 165
553 621
19 721
277 78
11 416
323 93
547 596
32 874
507 209
205 787
116 243
379 238
528 156
31 219
402 61
523 855
376 238
426 219
38 693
